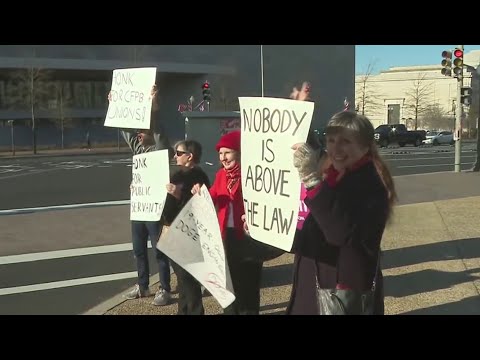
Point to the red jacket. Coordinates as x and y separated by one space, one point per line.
221 199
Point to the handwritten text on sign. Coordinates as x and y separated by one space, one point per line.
150 175
131 102
270 182
194 242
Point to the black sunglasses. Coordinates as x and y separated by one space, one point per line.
181 153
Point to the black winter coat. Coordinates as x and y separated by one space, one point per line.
340 239
187 177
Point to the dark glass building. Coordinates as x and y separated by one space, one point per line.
70 83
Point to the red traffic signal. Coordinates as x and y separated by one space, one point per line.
458 63
206 91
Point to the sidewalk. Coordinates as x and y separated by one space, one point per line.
24 154
431 258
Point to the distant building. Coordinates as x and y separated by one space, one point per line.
393 95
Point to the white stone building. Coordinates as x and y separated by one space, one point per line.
393 95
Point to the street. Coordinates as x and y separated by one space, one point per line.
41 182
29 183
67 260
422 160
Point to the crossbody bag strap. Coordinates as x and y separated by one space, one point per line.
377 269
375 277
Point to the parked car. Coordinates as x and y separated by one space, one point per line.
439 138
398 133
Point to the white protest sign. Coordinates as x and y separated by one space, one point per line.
150 175
195 243
131 101
270 182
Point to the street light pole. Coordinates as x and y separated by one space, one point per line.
261 69
458 120
12 135
476 75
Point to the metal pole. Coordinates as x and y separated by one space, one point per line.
13 137
458 121
261 68
476 167
476 77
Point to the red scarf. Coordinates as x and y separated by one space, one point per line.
233 177
331 174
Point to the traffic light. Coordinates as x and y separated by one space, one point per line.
466 95
458 63
206 91
447 63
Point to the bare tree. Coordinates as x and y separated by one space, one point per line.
33 94
221 98
418 97
365 96
62 103
435 118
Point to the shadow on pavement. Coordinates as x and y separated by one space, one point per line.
442 251
425 281
274 306
277 275
467 306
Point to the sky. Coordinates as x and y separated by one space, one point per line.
386 56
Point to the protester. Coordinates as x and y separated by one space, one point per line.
187 155
350 196
140 142
88 141
226 192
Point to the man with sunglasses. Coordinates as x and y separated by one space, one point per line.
143 141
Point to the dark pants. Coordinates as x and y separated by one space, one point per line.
379 305
246 278
141 231
189 292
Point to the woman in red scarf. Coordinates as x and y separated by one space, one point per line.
226 193
350 196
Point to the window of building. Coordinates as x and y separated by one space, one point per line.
82 94
13 94
393 114
2 94
100 93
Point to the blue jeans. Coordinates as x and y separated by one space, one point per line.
141 231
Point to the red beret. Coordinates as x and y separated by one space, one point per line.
230 140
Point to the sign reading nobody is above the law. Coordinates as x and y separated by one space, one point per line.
130 103
270 182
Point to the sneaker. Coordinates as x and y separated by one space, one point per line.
136 293
162 297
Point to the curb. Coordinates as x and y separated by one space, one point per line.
116 300
113 302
